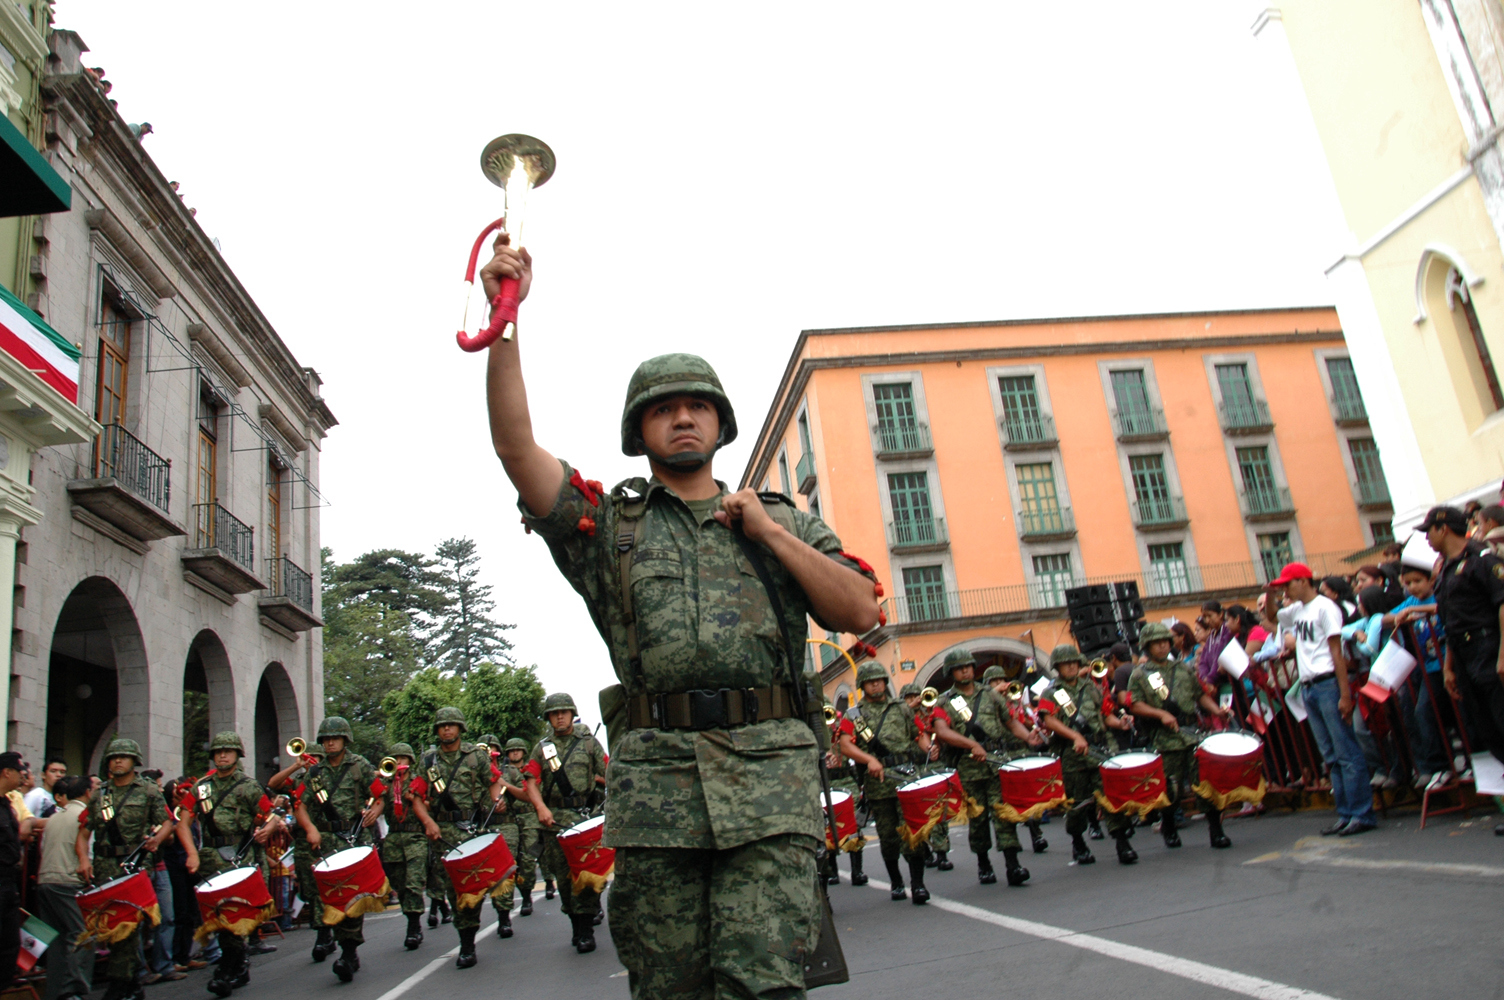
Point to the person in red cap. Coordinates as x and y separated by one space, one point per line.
1316 623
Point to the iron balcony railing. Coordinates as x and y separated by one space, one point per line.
217 528
120 455
1029 431
914 532
290 580
1140 424
1049 522
804 472
1266 501
1373 492
1149 512
1246 415
902 438
1349 407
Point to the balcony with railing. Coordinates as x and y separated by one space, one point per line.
1245 416
223 552
1141 425
804 473
1373 494
1031 432
902 440
288 600
1266 503
1046 524
1348 408
918 535
129 493
1157 513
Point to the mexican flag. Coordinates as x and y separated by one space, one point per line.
35 937
26 337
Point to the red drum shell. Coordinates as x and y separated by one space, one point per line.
589 862
1133 782
348 874
1230 768
843 807
480 864
235 898
113 909
936 799
1032 781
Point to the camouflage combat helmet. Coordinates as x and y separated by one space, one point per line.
1065 653
911 689
672 375
314 750
123 748
449 715
1154 632
871 671
491 740
558 702
402 750
334 726
517 743
227 740
994 673
958 658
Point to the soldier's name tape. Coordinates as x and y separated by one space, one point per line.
1199 972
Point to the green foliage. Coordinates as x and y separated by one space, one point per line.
465 633
505 700
399 581
195 733
409 710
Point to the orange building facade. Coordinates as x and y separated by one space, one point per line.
984 468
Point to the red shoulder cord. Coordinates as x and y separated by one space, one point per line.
591 490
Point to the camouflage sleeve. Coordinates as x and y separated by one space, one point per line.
817 535
575 531
1138 687
598 760
90 818
156 808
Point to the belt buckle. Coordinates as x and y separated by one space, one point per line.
707 709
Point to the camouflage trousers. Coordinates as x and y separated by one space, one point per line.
508 831
988 793
438 876
1181 777
529 846
716 924
350 930
940 838
1081 785
554 865
404 855
889 821
302 864
124 962
232 956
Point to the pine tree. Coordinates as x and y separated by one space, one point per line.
465 634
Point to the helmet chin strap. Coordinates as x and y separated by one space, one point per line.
683 461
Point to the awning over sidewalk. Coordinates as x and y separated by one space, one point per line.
28 184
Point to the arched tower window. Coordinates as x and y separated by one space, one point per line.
1470 331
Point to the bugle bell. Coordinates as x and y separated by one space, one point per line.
1015 691
929 697
1098 669
831 715
296 746
387 768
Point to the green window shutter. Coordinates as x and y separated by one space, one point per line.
913 518
1168 570
1053 576
924 593
1275 552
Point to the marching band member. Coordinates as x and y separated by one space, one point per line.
404 849
505 823
843 778
1017 700
292 781
924 718
529 842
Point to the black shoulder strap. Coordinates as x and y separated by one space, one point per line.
628 531
796 682
566 787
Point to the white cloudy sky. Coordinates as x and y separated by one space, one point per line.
729 174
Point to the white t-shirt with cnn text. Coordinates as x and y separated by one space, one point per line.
1312 624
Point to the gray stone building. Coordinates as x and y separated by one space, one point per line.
170 588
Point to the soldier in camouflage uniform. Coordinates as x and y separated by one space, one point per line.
1072 710
529 843
713 790
503 821
333 804
404 850
843 777
229 805
1166 694
459 785
884 739
292 782
924 718
127 811
996 677
568 769
971 719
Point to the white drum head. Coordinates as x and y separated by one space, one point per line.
469 847
1135 759
930 782
343 859
225 879
1029 763
583 827
836 798
1231 744
111 883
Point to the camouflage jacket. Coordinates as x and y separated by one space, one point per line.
891 724
137 809
581 758
703 621
519 811
456 799
345 788
228 806
1078 704
990 712
1173 686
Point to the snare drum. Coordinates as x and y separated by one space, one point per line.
928 802
351 883
1230 768
114 909
236 901
843 808
1133 783
480 866
590 864
1031 787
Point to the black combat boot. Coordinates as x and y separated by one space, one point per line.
931 859
1126 854
133 991
858 877
1080 853
323 944
1167 827
896 878
548 887
985 874
504 924
943 861
1220 840
1036 838
584 932
242 975
600 915
414 931
444 915
222 983
348 963
433 912
1017 873
467 948
918 893
1094 830
527 903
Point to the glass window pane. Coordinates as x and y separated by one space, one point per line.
1257 472
1274 552
924 593
1130 393
1052 574
1149 481
1236 389
1366 461
1168 572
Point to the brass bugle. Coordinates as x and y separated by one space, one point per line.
1015 691
1098 669
831 715
296 747
388 768
929 697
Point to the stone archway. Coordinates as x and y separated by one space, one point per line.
276 721
98 681
987 650
208 698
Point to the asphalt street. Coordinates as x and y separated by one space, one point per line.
1285 914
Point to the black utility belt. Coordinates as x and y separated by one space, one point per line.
894 759
406 826
442 816
1468 636
110 851
710 708
221 841
572 801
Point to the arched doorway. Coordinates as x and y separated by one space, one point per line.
208 699
276 719
97 677
1010 653
1445 287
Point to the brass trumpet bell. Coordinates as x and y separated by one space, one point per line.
929 697
500 157
1015 691
296 747
831 715
1098 669
387 768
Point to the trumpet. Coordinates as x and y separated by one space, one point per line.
1098 669
387 768
929 697
296 746
831 715
1015 691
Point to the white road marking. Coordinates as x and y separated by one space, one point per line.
1314 850
1211 975
427 970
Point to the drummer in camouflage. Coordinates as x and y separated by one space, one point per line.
1166 694
335 813
886 742
924 718
506 820
404 850
1083 733
529 844
130 821
459 786
1011 693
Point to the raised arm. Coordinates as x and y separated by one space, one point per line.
536 474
